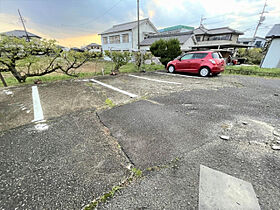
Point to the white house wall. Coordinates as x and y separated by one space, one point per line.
119 46
187 45
145 27
272 58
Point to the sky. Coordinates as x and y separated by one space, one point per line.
78 22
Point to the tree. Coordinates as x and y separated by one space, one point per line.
37 58
140 58
167 50
252 56
119 59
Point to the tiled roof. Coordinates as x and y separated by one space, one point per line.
19 34
124 26
182 37
223 30
172 28
274 32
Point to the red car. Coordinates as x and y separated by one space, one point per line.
202 62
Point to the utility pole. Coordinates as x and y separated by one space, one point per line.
27 37
262 18
138 21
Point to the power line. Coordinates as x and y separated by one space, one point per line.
93 20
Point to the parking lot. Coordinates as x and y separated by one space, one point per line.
82 145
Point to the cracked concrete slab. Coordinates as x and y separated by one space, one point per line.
218 190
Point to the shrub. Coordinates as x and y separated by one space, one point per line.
119 58
167 50
252 56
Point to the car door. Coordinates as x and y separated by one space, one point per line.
196 62
184 62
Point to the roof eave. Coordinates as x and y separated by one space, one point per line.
114 32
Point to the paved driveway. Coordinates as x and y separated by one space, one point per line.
171 128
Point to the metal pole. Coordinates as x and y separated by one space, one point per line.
138 25
3 80
260 20
27 37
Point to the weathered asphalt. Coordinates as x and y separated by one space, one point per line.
188 125
64 167
77 160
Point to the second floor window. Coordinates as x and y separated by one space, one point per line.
114 39
220 37
125 38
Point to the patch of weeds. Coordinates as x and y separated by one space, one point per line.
136 172
89 84
109 103
103 198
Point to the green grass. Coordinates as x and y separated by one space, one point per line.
109 103
11 81
253 70
128 68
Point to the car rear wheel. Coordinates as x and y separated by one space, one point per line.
204 72
171 69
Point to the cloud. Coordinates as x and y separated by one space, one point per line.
69 19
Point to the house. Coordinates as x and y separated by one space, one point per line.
20 34
272 57
217 38
223 39
176 29
93 47
186 40
124 36
257 42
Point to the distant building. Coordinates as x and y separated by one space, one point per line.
125 36
20 34
92 47
257 42
176 29
272 57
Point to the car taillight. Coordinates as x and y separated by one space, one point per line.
212 61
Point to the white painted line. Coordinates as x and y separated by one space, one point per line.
180 75
155 80
218 190
114 88
38 112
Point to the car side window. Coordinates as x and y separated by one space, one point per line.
187 57
216 55
199 55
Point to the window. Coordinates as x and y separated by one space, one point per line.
199 55
187 57
105 40
198 38
125 38
258 43
216 55
220 37
114 39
